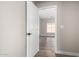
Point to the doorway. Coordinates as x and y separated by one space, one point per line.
48 26
48 34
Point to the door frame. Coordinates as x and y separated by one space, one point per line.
25 28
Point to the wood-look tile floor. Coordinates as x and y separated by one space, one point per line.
47 48
48 53
45 53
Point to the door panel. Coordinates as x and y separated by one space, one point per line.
33 28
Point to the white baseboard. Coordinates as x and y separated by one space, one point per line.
67 53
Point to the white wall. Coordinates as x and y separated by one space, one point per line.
12 29
68 15
71 26
59 23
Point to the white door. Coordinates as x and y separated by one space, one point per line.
32 29
12 29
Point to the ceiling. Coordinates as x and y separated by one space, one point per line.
40 4
48 13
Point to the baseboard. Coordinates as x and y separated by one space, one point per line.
67 53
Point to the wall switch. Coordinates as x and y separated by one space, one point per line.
61 26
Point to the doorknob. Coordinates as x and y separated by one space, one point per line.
28 33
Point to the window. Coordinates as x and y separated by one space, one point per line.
50 27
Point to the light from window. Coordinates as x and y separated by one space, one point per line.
50 27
